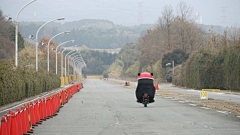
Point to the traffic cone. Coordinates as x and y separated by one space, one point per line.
9 120
14 126
53 103
45 110
19 121
41 111
63 97
32 115
156 86
3 128
48 105
23 122
36 111
7 125
28 119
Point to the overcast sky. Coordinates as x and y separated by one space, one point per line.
125 12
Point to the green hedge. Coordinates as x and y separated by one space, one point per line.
210 69
21 83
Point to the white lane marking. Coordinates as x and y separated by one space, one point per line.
167 97
29 101
181 101
224 112
193 104
238 116
204 108
117 121
219 93
175 99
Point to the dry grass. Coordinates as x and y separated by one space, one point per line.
214 104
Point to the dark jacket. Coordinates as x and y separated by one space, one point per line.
145 85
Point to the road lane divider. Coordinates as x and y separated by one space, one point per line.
24 120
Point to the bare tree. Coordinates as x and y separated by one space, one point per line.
165 24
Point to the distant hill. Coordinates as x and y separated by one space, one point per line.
96 34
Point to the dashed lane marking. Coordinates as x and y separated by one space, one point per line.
204 108
181 101
193 104
224 112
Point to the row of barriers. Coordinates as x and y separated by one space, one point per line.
24 120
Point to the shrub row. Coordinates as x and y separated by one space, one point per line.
17 84
211 69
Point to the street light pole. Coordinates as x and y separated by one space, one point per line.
65 61
57 48
16 33
66 32
37 40
72 60
68 61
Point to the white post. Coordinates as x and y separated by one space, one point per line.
16 33
173 66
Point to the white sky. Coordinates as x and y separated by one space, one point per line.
123 12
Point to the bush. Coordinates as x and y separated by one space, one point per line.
105 74
210 69
21 83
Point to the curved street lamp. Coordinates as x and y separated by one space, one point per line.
79 61
68 61
16 33
62 59
57 48
81 65
60 19
66 32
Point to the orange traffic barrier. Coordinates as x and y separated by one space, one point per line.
9 120
14 126
7 126
28 119
3 128
32 115
48 108
36 111
18 121
45 110
23 121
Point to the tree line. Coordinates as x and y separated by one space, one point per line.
202 59
97 61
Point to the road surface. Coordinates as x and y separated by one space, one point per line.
103 108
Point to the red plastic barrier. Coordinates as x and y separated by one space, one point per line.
14 126
32 114
41 110
7 126
23 121
28 118
4 128
48 107
9 120
36 112
19 120
45 110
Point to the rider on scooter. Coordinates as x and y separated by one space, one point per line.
145 85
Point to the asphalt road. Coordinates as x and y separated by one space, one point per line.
103 108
